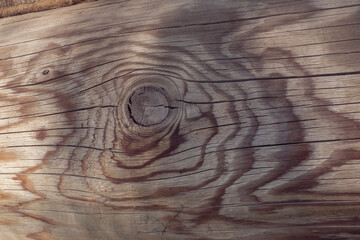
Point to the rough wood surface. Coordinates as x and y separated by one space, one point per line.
258 138
17 7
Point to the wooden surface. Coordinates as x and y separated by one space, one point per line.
258 135
18 7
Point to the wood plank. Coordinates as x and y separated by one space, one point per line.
183 119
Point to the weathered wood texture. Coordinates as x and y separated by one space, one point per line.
258 138
17 7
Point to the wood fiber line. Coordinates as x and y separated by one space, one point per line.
149 119
17 7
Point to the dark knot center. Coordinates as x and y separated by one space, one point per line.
148 106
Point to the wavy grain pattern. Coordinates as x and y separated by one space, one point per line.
261 136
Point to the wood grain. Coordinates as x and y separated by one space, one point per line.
260 138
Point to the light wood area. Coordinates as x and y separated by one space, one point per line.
18 7
195 120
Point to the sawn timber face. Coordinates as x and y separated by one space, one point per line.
181 120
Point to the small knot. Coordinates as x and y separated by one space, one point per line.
148 106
